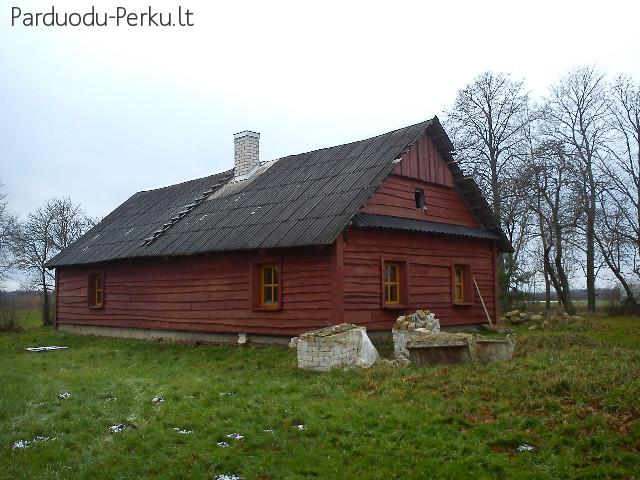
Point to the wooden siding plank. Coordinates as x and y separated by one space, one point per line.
430 258
395 197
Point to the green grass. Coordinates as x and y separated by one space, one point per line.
573 393
29 319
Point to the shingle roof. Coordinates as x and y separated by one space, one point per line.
385 222
298 200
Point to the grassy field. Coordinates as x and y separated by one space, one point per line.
572 394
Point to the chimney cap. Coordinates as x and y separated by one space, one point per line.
246 133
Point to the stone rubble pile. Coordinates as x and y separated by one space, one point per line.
339 345
418 339
535 321
412 327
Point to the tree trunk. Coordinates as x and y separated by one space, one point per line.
591 269
547 290
566 291
46 318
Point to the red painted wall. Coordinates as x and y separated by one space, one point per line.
204 293
423 161
319 286
429 261
429 258
421 167
396 197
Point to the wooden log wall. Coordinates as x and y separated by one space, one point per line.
423 162
203 293
429 260
396 197
421 167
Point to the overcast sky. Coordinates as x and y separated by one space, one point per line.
99 113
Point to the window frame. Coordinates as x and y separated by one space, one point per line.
257 286
420 199
92 290
403 285
467 284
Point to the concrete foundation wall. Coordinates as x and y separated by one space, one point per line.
171 335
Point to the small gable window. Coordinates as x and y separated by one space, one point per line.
269 285
461 284
419 193
96 290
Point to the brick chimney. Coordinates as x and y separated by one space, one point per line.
246 147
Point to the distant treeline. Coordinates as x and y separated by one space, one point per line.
602 294
20 299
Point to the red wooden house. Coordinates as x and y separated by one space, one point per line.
360 232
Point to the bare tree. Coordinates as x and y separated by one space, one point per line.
612 236
618 235
42 235
578 117
551 200
7 225
488 124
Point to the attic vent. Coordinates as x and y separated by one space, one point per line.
181 214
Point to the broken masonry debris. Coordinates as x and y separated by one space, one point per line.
409 326
417 338
339 345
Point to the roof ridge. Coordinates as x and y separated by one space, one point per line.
229 171
306 200
425 122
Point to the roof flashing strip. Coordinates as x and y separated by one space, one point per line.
385 222
182 213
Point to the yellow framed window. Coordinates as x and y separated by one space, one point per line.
269 285
96 290
458 284
391 283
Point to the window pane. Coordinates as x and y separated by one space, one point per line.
275 294
267 295
95 293
266 275
393 294
392 283
391 272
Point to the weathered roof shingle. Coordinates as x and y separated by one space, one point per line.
305 199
